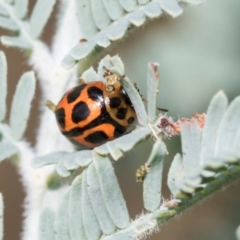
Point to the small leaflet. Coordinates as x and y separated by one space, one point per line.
191 147
21 8
137 18
153 180
100 16
21 104
48 159
46 224
128 5
75 210
90 222
228 128
97 201
214 114
61 224
171 7
152 88
40 15
175 175
17 42
136 100
3 12
111 192
152 10
8 24
7 149
85 18
113 8
89 75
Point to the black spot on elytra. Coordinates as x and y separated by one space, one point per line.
119 131
72 96
115 102
97 137
121 113
95 94
80 112
60 116
103 118
130 120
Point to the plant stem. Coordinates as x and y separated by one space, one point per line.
222 180
149 222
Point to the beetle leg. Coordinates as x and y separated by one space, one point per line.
51 105
81 81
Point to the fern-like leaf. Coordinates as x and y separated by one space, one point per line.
102 22
10 134
101 205
26 30
91 207
65 162
207 152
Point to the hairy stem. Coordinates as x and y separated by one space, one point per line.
146 224
53 80
221 181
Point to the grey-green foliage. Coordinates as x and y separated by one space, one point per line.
13 17
41 13
153 181
95 196
21 104
75 210
207 164
96 206
102 22
21 8
7 149
93 206
10 134
62 218
65 162
46 228
208 150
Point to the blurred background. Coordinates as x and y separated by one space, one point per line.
199 54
